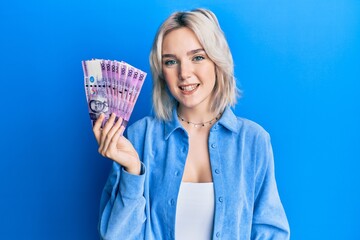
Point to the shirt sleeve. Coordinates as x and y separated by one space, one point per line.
269 218
122 205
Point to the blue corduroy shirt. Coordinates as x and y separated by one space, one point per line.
247 203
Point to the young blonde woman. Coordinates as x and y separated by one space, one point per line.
195 170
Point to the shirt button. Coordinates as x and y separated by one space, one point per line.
213 145
221 199
172 202
183 149
217 171
218 234
176 173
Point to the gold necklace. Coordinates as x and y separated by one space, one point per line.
202 124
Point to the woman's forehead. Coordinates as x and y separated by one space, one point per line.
180 40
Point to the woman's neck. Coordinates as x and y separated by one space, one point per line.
195 115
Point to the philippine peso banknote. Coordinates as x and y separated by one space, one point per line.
111 87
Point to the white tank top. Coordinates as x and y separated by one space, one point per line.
195 211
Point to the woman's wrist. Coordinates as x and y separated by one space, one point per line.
134 168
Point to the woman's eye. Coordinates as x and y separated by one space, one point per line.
198 58
169 62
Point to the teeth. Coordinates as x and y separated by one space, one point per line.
189 87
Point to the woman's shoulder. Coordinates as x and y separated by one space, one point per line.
143 121
251 132
242 125
251 126
145 131
143 124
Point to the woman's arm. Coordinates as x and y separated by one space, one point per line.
269 219
122 206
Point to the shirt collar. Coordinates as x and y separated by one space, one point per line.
172 125
227 120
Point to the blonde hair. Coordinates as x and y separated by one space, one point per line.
206 27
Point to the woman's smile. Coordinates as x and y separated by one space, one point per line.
189 89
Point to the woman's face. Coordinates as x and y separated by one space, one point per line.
189 73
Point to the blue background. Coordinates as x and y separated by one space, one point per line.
297 63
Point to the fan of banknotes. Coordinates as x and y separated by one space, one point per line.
111 87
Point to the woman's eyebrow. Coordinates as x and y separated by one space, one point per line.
192 52
195 51
168 55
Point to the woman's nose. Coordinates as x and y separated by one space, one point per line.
185 71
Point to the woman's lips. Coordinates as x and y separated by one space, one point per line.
189 89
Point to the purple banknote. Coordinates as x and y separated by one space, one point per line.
111 87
